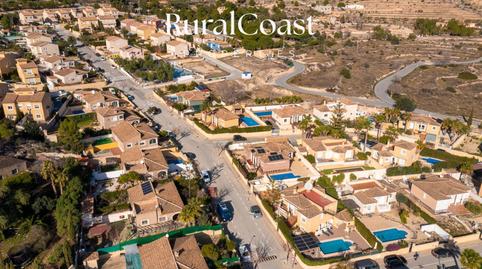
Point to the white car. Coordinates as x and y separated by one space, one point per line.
206 176
245 253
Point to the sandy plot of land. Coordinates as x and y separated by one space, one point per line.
204 68
371 60
438 89
261 69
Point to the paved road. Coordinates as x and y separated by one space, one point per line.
428 261
381 88
234 73
208 154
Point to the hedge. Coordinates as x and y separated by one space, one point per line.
404 199
242 169
367 234
409 170
232 130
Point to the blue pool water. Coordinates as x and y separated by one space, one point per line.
431 160
250 122
179 72
263 113
392 234
334 246
175 161
284 176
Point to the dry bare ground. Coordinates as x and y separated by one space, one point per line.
438 89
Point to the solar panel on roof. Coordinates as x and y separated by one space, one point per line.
260 150
306 241
275 157
146 188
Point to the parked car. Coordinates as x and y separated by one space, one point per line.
154 110
206 176
130 97
366 264
224 212
238 138
245 253
255 211
441 252
395 262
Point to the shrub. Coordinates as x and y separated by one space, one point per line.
232 129
362 156
345 72
353 177
405 103
415 168
371 239
416 210
474 207
210 251
467 76
403 216
310 158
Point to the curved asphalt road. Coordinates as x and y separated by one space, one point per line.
381 87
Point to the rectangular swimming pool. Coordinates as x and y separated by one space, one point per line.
284 176
334 246
431 161
250 122
263 113
392 234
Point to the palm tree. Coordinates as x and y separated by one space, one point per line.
466 169
379 119
471 259
305 123
48 172
405 116
61 178
363 123
392 114
191 211
420 145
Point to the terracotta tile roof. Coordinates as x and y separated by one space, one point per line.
113 38
52 59
423 118
176 43
302 204
317 198
322 143
36 97
157 254
364 185
109 111
127 132
98 230
65 71
28 65
187 253
164 198
9 98
193 95
405 145
322 108
441 188
364 198
344 215
224 114
6 161
289 111
151 160
93 98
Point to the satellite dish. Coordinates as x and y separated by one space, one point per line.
308 186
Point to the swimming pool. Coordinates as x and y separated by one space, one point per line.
284 176
263 113
250 122
431 160
392 234
334 246
180 72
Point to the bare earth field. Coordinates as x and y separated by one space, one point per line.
438 89
371 60
204 68
246 91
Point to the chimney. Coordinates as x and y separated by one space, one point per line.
295 190
178 252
